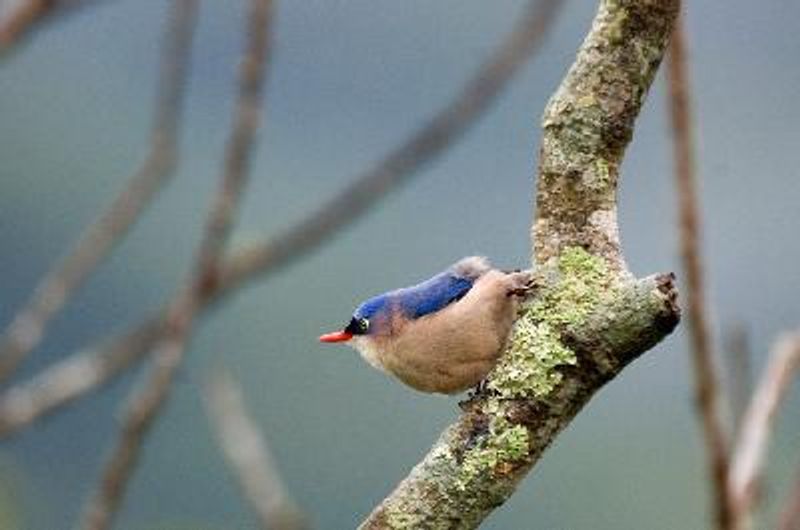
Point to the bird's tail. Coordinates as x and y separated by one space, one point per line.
472 267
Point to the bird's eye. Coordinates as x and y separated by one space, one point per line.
357 326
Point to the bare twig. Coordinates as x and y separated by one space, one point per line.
22 16
790 515
737 348
747 459
148 402
439 133
71 378
260 259
100 237
248 455
707 391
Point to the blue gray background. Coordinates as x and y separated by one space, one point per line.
351 79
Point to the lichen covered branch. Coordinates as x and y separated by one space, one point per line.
588 124
544 379
589 317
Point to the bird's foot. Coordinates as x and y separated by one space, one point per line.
476 393
522 283
480 389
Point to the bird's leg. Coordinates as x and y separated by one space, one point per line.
478 390
474 393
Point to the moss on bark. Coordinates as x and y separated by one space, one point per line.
589 317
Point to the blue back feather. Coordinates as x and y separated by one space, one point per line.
421 299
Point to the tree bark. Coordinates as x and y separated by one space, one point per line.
589 316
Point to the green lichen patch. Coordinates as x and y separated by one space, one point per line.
600 177
535 349
503 446
616 23
528 365
401 520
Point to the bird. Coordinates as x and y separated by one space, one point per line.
443 335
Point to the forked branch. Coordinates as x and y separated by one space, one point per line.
148 401
54 290
590 318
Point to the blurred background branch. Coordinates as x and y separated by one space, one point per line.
56 386
749 454
438 134
736 458
739 358
147 402
54 290
706 378
18 18
790 515
248 455
81 373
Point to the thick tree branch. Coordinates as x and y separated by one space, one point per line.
589 318
57 386
587 126
146 403
747 459
706 380
28 326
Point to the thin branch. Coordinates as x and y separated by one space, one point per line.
99 239
589 318
431 140
146 403
790 515
749 454
248 455
739 356
75 376
23 16
707 392
260 259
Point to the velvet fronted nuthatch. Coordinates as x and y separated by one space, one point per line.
444 334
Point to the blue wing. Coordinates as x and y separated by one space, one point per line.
433 295
421 299
429 296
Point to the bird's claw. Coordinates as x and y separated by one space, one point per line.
476 392
522 284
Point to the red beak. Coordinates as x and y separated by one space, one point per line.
336 336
